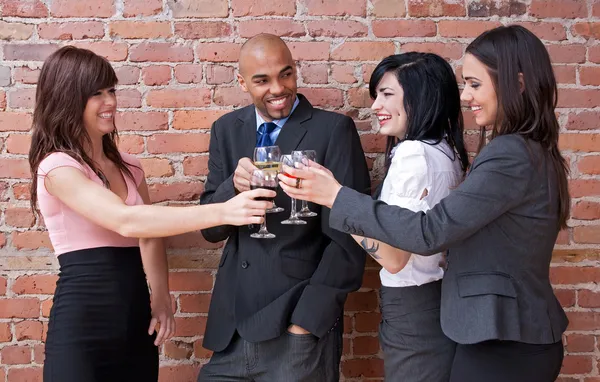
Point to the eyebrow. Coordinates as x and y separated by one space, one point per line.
257 76
385 88
471 78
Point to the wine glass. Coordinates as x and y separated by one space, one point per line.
305 212
268 180
293 219
268 158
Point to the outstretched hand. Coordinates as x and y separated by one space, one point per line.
247 208
317 184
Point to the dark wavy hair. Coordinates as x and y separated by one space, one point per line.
69 77
431 100
509 52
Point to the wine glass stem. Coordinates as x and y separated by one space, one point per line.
293 214
263 227
304 205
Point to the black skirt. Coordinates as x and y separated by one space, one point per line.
98 327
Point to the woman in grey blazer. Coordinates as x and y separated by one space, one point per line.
499 226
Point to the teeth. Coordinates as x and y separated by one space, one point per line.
383 117
106 115
475 108
278 102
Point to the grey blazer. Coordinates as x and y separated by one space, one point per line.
499 226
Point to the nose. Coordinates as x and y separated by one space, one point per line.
376 106
110 99
276 87
465 95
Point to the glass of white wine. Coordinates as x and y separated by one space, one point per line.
305 212
268 158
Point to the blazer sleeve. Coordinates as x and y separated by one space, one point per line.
341 268
218 187
497 182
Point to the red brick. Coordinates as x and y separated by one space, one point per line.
194 303
129 98
128 75
362 51
278 27
5 334
140 29
586 30
343 74
156 75
190 281
450 50
189 326
2 100
160 192
576 364
19 217
18 143
2 240
580 98
26 75
29 330
435 8
589 165
202 29
2 286
15 31
14 168
142 121
335 8
21 98
190 239
195 166
20 8
594 54
29 52
178 349
563 237
566 297
573 275
134 8
219 52
31 240
188 73
46 306
580 343
587 210
550 31
198 8
242 8
309 51
71 31
19 308
371 279
156 167
178 97
579 142
567 54
503 8
588 299
565 74
589 75
38 354
161 51
77 8
16 355
28 374
362 367
195 119
404 28
231 96
200 352
35 284
388 8
322 97
587 120
219 74
185 143
314 74
461 28
373 143
359 97
366 345
348 325
132 144
569 9
112 51
337 28
361 301
178 373
21 191
587 234
584 187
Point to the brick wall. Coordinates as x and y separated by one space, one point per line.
176 61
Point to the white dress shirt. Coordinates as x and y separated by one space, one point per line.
418 166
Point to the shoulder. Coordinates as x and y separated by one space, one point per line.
56 160
228 120
510 151
409 156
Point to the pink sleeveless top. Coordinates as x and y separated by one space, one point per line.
70 231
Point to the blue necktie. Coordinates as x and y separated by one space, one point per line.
263 137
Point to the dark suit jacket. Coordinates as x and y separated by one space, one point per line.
303 276
500 226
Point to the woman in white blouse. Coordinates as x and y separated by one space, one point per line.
417 103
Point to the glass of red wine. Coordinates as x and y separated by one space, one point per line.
303 155
268 158
268 180
288 160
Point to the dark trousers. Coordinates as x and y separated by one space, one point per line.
98 326
414 347
507 361
287 358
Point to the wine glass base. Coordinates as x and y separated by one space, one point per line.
293 221
307 214
275 210
267 235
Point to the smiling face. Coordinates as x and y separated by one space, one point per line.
268 73
479 91
389 107
99 112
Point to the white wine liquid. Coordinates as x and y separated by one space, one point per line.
268 166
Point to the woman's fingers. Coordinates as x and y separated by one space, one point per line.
153 323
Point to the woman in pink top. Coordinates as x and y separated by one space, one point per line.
104 324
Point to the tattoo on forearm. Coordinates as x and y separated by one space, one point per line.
371 249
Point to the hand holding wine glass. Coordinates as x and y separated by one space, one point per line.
264 180
318 185
249 207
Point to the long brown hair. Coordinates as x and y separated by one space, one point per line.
511 51
69 77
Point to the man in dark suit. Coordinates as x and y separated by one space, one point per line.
277 306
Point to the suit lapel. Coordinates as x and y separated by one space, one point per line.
293 131
247 127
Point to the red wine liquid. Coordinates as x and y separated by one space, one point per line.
253 187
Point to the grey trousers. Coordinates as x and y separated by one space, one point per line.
288 358
414 347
